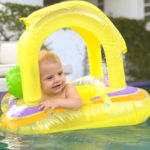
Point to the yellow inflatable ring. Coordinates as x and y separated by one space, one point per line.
107 100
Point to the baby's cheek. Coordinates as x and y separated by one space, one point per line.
64 78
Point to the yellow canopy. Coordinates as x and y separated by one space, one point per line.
89 22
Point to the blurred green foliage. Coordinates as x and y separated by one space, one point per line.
10 26
51 2
137 39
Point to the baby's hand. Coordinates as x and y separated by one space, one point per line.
47 104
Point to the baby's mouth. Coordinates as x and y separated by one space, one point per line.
57 86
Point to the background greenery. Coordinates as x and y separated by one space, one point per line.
138 44
137 58
10 26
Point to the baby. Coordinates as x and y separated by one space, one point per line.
56 93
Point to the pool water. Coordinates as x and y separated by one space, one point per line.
114 138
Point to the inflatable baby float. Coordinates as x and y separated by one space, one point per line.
108 101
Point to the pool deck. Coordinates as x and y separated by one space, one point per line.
2 94
142 84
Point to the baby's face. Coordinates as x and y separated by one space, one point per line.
52 78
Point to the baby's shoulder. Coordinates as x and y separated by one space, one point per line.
69 86
71 91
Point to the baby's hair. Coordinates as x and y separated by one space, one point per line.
47 56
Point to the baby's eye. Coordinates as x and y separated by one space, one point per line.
60 73
49 78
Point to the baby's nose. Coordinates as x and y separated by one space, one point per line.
57 79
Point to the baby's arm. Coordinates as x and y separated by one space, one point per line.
72 101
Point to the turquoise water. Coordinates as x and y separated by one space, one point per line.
116 138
